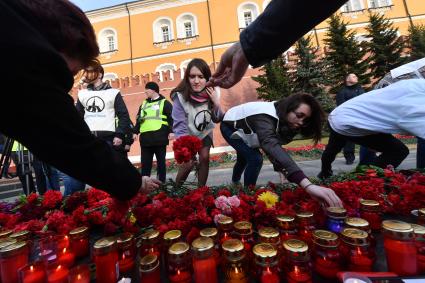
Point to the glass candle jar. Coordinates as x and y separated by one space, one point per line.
57 273
271 236
335 218
105 256
419 232
225 228
355 250
4 242
126 253
325 254
33 273
150 243
149 269
287 227
298 265
362 224
204 266
266 263
179 263
5 233
66 257
213 234
235 264
400 248
13 257
79 274
23 236
421 216
79 241
169 238
243 232
371 211
306 225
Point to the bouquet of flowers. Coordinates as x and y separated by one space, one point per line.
185 148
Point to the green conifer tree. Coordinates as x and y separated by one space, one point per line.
417 42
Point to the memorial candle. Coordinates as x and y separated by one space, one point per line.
335 218
355 250
225 228
287 227
306 225
266 263
33 273
79 274
127 252
149 269
12 258
325 253
243 232
299 276
298 266
66 258
79 241
179 263
106 260
59 274
150 243
204 265
419 232
235 265
371 211
213 234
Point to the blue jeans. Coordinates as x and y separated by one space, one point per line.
248 159
367 156
71 184
420 153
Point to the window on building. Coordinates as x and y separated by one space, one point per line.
166 36
166 68
188 29
108 41
247 13
352 6
247 16
379 3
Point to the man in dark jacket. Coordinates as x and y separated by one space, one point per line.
350 90
154 124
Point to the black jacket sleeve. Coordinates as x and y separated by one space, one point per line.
168 109
48 124
123 117
280 25
80 108
136 128
265 127
340 99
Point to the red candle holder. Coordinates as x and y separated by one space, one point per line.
325 253
298 266
57 273
149 269
79 241
105 255
179 263
169 238
12 258
63 242
266 263
287 227
400 248
127 252
150 243
33 273
204 265
306 225
79 274
213 234
235 264
225 228
419 232
362 224
371 211
355 250
66 257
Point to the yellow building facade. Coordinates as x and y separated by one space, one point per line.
152 36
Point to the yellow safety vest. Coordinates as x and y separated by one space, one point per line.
17 146
152 117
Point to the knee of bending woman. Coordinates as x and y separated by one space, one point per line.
255 159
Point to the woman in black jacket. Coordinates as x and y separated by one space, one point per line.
269 125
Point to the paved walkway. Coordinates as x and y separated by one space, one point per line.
10 189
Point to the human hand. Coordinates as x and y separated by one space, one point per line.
117 141
283 179
171 136
149 184
324 194
134 137
232 67
214 96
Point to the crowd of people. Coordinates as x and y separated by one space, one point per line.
87 142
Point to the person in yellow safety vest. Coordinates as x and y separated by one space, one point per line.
154 124
18 165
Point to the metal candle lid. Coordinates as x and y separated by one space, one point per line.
356 222
104 245
243 227
149 235
178 248
370 205
295 246
232 245
5 233
418 229
325 238
125 240
421 212
305 214
208 232
223 220
355 237
268 232
79 232
7 242
336 212
264 250
202 244
172 235
148 263
24 235
13 249
397 229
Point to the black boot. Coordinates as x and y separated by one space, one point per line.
324 174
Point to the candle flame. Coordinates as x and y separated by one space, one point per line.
178 271
32 267
359 251
296 269
64 250
236 270
123 256
59 267
79 276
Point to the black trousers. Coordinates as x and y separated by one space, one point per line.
393 151
147 158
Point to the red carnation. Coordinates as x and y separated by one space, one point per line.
185 148
51 199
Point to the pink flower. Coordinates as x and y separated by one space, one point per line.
234 201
